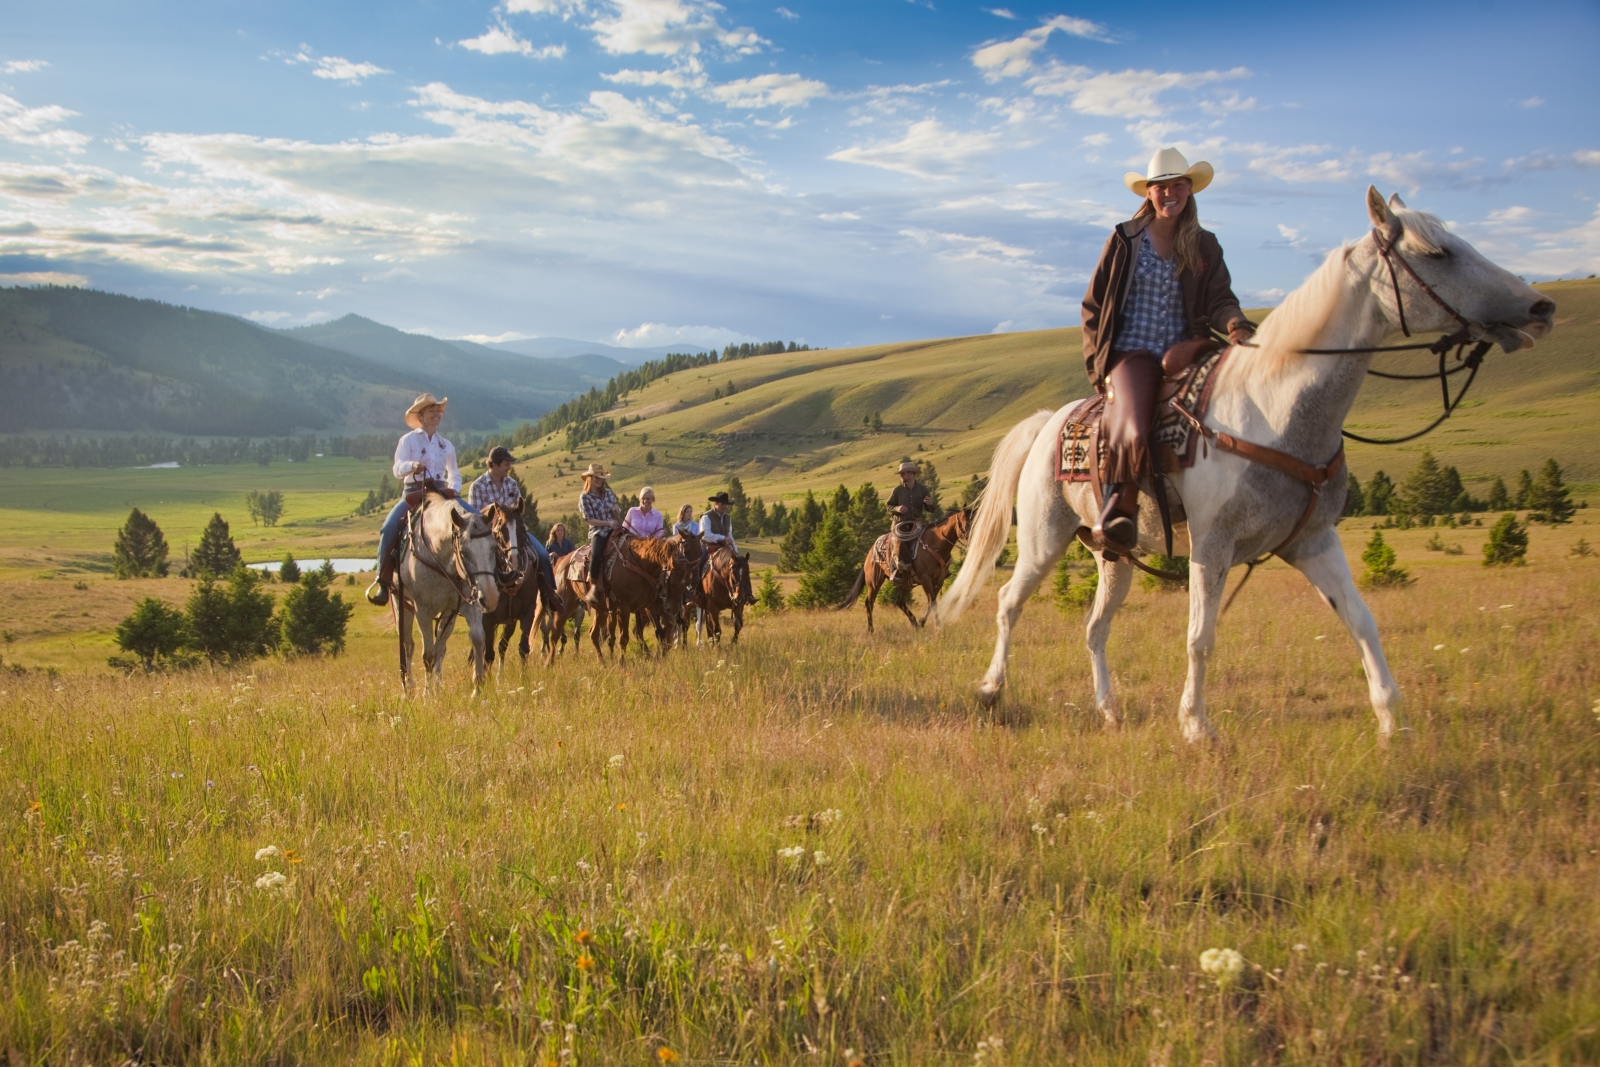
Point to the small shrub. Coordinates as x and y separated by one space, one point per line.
1381 568
232 622
1582 548
288 570
1435 544
1176 564
154 633
313 620
1507 544
769 595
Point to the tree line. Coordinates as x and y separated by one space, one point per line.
222 623
144 450
1433 490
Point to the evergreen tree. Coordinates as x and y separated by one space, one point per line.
841 500
1428 491
314 621
1380 494
930 481
1507 544
1499 497
1355 502
739 511
868 518
1524 496
1380 560
1549 499
1061 586
232 622
797 538
288 570
154 632
769 594
969 494
757 517
141 550
1460 499
217 556
831 565
778 519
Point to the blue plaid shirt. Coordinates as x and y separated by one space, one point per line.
1154 319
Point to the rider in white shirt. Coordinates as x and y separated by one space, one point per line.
422 460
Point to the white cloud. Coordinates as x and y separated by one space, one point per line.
1587 157
564 8
25 66
928 150
44 277
1014 58
1227 105
678 79
1000 12
1512 214
1293 236
769 90
267 318
786 13
839 216
1125 94
38 125
963 246
337 68
651 334
668 28
1096 140
492 338
498 40
1533 101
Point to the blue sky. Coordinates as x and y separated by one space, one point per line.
685 172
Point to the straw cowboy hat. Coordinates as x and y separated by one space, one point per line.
596 471
907 465
421 404
1167 165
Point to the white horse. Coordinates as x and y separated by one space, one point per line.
1410 270
450 573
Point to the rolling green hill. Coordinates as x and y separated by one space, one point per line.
795 421
82 360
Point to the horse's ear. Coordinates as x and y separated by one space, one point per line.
458 519
1380 214
1395 203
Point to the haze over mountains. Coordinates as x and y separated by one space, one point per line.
82 360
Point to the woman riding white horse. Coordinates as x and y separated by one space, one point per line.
1273 429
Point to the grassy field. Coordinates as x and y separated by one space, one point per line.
811 849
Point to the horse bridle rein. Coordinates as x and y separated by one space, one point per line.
466 573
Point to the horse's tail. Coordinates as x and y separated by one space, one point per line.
991 526
855 590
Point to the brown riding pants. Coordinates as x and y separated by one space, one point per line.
1132 382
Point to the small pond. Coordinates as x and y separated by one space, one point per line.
340 565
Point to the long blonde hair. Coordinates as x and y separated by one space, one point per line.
1186 244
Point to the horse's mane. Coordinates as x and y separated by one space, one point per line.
1424 233
1304 314
655 549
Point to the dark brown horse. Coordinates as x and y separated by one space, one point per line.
521 585
640 570
683 589
725 587
928 567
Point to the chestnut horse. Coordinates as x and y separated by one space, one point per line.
640 570
725 587
928 568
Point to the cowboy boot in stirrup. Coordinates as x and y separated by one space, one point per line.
378 592
1134 381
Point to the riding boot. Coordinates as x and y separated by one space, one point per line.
378 591
1133 383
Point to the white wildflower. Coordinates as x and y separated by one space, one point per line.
271 880
1223 964
793 854
584 866
267 853
828 816
821 859
614 762
1438 648
1039 829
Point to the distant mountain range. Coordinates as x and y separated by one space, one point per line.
83 360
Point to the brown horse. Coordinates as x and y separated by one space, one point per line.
521 586
725 587
928 568
640 570
683 589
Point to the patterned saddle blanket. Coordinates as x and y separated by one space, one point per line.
1174 440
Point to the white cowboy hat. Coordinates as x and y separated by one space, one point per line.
907 465
421 404
1167 165
596 471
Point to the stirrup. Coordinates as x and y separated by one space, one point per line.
378 593
1120 532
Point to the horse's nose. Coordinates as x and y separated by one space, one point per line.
1543 309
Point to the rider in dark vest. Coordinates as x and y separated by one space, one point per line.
906 504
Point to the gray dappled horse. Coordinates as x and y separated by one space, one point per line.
446 570
1274 397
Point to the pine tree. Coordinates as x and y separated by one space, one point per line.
217 556
868 518
141 550
769 594
1507 544
757 517
232 622
841 500
1355 502
970 493
153 632
288 570
930 481
1380 494
1061 586
1380 560
1549 498
797 539
314 621
1524 497
1499 497
1428 492
778 519
831 565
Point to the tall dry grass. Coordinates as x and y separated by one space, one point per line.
812 849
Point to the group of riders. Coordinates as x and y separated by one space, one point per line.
1157 298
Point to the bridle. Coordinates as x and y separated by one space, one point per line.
464 573
1469 333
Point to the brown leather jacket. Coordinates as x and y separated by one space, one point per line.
1207 297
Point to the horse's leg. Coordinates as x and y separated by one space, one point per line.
738 620
1115 581
930 582
1208 577
1324 565
874 583
408 645
902 600
597 630
1042 535
430 644
479 649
